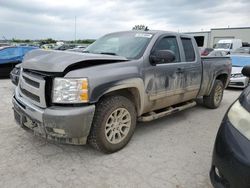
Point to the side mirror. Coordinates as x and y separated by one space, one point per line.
246 71
162 56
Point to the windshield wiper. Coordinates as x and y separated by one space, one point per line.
108 53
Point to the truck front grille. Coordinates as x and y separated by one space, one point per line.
30 95
32 87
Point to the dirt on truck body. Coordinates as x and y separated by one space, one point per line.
97 96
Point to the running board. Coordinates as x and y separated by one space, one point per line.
165 112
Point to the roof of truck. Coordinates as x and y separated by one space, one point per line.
155 32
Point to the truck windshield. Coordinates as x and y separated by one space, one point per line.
127 44
223 45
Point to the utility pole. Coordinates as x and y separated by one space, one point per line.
75 29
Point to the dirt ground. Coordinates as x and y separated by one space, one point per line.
172 152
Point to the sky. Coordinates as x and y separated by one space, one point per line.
39 19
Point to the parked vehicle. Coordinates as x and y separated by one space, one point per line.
10 56
48 46
65 47
98 96
217 53
228 45
77 49
205 51
4 44
242 50
231 156
238 80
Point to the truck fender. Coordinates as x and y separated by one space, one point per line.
132 83
218 75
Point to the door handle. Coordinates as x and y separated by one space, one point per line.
180 70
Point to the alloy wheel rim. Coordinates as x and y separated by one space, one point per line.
117 125
218 95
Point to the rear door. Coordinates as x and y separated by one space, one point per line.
191 68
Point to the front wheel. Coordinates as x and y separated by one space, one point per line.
113 124
214 99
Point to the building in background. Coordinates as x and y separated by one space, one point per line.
208 39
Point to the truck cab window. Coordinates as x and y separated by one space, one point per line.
188 49
169 43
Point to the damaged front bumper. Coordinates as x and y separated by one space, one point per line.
69 125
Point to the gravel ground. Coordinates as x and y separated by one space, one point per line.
172 152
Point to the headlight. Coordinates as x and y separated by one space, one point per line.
70 90
238 75
240 119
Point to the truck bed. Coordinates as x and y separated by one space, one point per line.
211 67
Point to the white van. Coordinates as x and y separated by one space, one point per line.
228 45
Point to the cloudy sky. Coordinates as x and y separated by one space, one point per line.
36 19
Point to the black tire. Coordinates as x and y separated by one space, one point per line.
213 101
98 136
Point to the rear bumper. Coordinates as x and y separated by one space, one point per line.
231 158
63 124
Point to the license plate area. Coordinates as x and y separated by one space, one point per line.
28 123
18 117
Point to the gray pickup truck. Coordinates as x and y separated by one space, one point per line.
97 97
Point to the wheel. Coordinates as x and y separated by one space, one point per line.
113 124
214 99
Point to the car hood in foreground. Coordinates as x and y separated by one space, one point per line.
59 61
245 99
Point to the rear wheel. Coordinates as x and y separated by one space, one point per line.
214 99
113 124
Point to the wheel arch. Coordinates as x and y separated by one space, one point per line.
132 89
132 93
222 77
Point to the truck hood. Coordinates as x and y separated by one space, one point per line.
59 61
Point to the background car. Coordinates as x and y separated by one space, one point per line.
65 47
237 79
10 56
231 156
77 49
4 44
228 45
242 50
205 51
217 54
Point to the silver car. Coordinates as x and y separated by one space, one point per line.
238 80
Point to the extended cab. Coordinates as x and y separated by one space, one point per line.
99 95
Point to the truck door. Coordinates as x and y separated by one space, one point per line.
168 82
174 82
